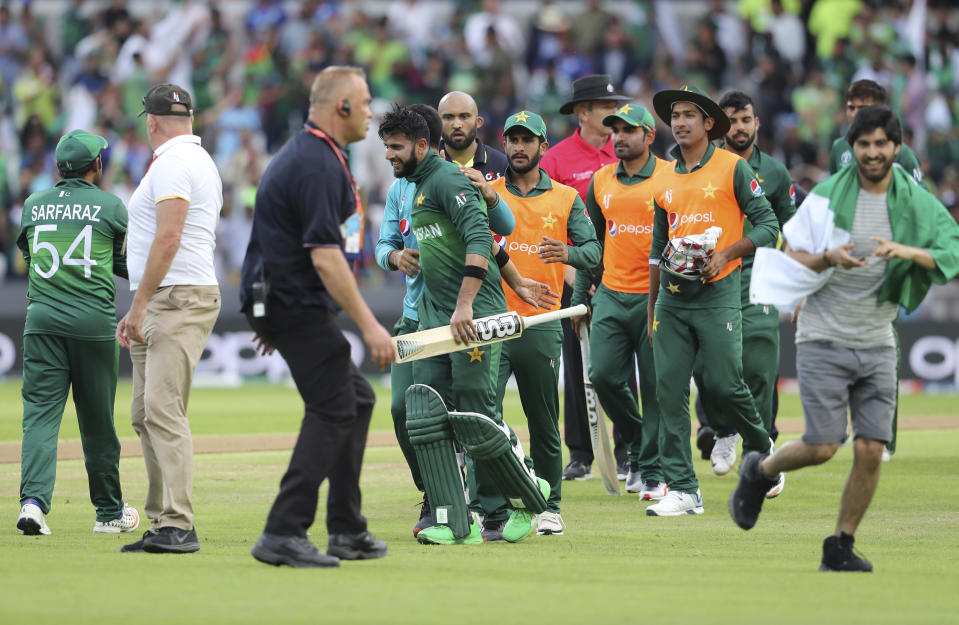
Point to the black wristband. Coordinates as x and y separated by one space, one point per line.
826 260
472 271
502 257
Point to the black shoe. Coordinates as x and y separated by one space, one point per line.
705 440
171 540
426 517
295 551
362 546
747 498
137 547
493 530
577 470
837 555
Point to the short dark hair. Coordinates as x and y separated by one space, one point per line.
737 101
866 89
871 117
433 122
404 121
80 173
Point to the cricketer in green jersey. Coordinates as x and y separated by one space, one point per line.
453 398
760 323
72 238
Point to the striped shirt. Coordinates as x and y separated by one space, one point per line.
846 310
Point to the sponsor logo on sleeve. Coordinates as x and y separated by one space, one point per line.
755 188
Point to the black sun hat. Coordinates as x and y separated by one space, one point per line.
589 88
663 103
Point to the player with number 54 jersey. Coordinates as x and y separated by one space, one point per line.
72 238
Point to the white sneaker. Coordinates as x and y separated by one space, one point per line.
723 456
886 454
634 481
550 524
126 522
653 491
677 503
31 521
774 492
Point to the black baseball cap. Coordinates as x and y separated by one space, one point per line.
161 99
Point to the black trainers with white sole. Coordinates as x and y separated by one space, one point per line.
171 540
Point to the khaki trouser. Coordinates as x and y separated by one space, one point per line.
178 323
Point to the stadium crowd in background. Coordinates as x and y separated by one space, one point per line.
250 65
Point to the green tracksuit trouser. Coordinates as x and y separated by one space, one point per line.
760 368
618 338
52 365
679 335
401 377
534 359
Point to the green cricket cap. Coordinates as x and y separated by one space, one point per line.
634 115
528 120
77 149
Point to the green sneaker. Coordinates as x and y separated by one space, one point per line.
443 535
522 522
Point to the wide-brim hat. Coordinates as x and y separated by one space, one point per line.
663 103
590 88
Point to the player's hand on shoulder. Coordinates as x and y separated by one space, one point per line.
461 324
553 251
479 181
381 347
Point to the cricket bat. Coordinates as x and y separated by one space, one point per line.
598 434
492 329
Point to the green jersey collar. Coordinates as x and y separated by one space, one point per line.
544 185
645 171
427 166
77 183
681 164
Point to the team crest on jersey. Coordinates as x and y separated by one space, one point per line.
845 158
792 192
755 188
673 220
611 227
405 227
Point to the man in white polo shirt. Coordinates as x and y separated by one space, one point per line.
173 217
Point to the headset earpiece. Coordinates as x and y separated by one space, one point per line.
345 108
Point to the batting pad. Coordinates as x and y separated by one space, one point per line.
427 422
489 445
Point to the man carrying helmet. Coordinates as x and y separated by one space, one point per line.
700 205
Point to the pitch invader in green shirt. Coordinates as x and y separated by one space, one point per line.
760 323
453 398
868 93
72 239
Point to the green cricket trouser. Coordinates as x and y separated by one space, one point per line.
760 368
618 334
401 377
534 359
51 366
466 380
679 335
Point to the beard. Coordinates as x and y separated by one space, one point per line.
627 153
462 142
407 168
740 141
884 166
530 165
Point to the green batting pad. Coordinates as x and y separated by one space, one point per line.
490 447
429 428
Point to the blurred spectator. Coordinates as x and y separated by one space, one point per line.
35 91
589 26
506 29
547 30
788 33
616 54
13 45
265 15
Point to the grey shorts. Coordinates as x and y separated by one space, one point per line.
833 378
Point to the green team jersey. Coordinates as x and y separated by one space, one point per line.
449 221
778 185
71 237
841 155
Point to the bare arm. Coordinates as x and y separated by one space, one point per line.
830 258
171 215
891 249
337 277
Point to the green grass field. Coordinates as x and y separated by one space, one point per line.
614 565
